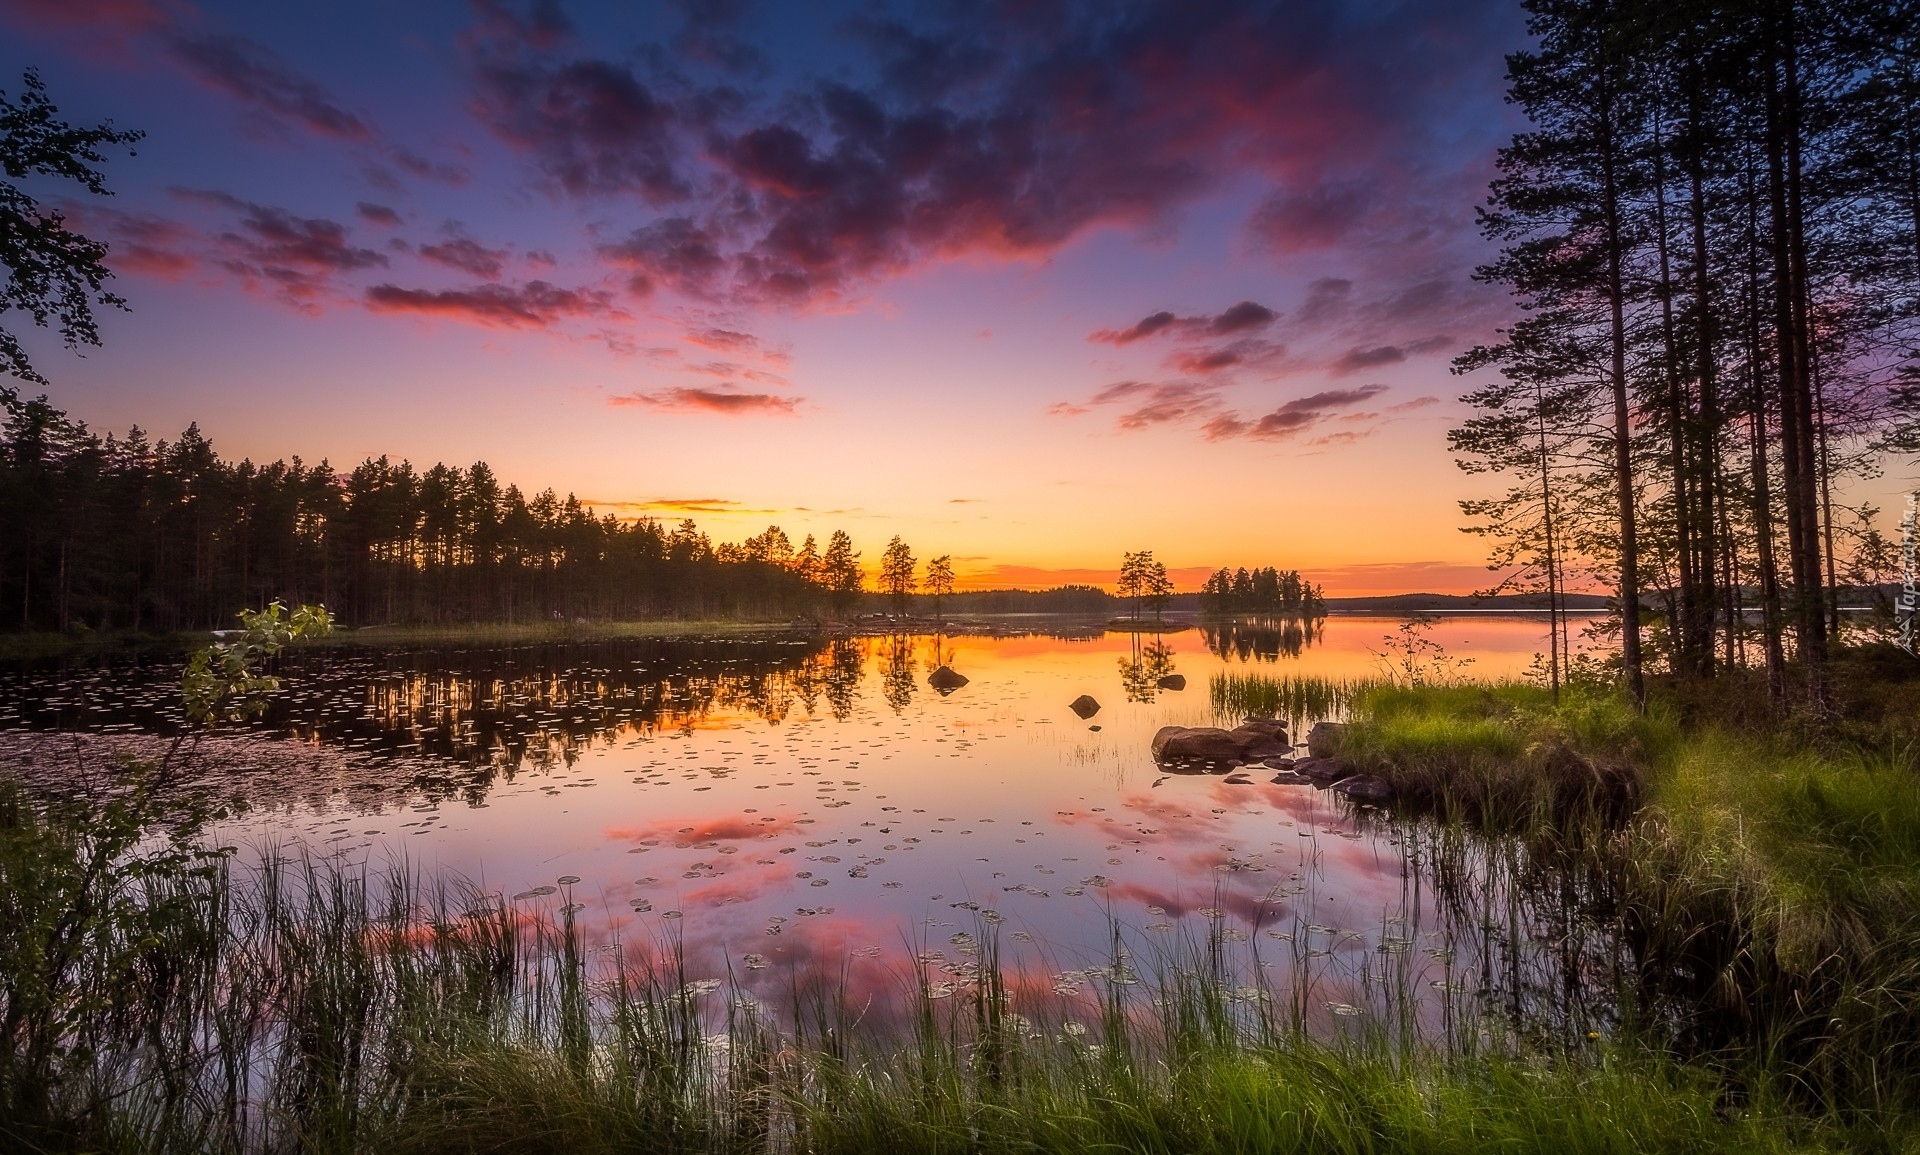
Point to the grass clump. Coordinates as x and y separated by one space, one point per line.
1506 755
1776 906
1295 698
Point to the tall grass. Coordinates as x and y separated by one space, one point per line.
300 1007
1296 698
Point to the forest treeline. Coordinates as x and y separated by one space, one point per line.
1713 227
123 533
1269 592
107 533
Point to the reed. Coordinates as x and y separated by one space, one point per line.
292 1005
1296 698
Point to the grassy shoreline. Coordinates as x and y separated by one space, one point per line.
1765 873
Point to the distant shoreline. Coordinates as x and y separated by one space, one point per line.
27 647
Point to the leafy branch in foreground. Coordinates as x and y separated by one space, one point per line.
222 682
106 887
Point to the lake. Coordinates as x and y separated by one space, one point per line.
800 811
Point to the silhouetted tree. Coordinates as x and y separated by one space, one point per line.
1713 223
939 580
53 273
840 568
103 533
897 573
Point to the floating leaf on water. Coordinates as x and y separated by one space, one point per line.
536 892
1346 1009
568 879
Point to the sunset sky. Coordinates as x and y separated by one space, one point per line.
1030 284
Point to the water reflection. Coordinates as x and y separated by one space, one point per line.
805 803
1145 672
1262 639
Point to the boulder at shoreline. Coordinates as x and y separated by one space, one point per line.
1251 741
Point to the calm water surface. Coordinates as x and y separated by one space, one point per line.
792 811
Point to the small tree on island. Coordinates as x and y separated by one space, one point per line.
1144 580
939 580
897 573
1159 589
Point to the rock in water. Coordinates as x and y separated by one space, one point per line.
1263 738
1084 706
1323 770
1209 745
1366 788
1323 741
1173 682
946 679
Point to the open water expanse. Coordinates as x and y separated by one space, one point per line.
798 811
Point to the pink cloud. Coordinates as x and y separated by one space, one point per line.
724 402
535 305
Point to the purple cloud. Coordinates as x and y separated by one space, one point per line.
1292 418
243 68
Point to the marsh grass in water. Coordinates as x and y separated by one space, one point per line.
295 1006
1296 698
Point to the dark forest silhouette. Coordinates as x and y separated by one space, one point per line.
123 533
1265 593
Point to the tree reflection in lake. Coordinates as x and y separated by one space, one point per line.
491 710
896 671
1263 639
1142 670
